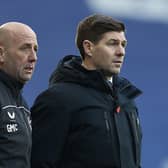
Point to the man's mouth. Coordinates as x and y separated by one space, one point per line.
29 69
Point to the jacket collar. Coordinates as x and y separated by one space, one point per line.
69 69
124 87
14 86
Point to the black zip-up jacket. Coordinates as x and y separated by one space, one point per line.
15 130
81 122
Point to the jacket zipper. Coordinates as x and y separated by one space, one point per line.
107 122
135 127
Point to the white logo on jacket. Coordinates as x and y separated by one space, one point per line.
11 115
12 127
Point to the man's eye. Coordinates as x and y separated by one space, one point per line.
113 43
24 48
35 49
124 45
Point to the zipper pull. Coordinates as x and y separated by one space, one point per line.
106 120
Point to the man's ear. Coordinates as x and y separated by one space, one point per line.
2 53
88 46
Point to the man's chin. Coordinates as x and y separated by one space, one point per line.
26 78
116 71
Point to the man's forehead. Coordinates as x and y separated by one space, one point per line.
115 36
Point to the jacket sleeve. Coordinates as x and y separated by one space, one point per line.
50 123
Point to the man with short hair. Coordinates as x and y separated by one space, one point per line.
87 117
18 56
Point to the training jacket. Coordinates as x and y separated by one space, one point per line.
81 121
15 130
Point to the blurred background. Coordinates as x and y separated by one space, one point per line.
145 62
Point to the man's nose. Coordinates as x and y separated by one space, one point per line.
33 56
120 50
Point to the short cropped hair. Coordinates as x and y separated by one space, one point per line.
93 27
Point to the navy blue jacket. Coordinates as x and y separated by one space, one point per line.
81 121
15 129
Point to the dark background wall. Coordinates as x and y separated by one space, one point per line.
145 63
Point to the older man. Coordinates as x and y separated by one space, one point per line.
18 56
